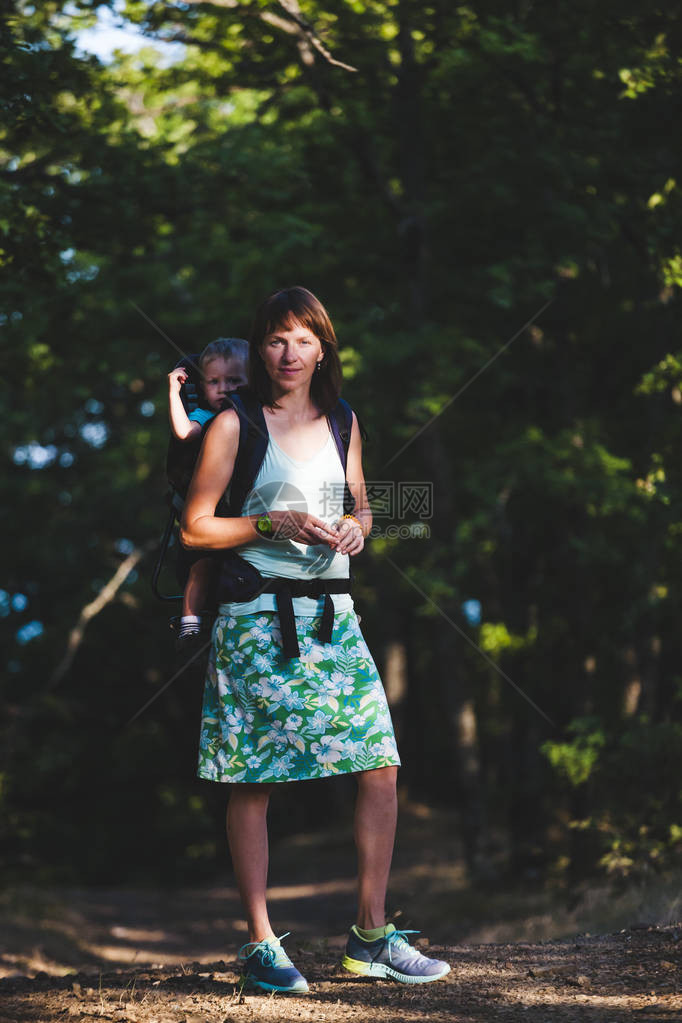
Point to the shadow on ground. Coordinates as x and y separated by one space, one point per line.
151 956
609 979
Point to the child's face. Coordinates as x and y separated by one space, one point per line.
220 377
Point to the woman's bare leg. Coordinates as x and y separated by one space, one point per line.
247 833
376 813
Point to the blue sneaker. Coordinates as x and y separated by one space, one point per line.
391 957
268 967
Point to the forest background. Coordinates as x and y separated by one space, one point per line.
487 199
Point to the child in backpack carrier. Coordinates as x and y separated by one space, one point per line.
222 368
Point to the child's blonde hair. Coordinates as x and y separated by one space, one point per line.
225 348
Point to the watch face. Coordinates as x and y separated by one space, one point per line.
264 525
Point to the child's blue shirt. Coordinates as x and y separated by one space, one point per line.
201 416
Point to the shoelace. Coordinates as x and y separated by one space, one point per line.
399 938
271 956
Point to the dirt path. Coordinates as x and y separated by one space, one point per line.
634 975
155 956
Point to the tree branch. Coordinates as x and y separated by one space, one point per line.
216 3
179 36
293 24
104 597
294 12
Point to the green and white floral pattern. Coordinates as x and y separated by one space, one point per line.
268 719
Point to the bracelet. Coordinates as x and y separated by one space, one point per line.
353 518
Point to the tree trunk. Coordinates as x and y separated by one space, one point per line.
451 687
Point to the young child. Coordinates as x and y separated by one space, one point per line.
223 368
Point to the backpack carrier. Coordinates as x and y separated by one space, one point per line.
238 580
180 460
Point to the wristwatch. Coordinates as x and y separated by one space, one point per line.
264 526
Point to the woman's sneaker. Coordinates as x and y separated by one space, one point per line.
391 957
269 968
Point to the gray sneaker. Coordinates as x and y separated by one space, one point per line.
391 957
269 968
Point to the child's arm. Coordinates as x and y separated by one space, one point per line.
182 426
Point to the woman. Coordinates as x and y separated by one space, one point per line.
268 717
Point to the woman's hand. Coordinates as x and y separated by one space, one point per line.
303 528
345 537
351 539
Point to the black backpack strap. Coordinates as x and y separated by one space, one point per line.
341 424
253 443
287 589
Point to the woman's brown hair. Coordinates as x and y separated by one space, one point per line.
280 312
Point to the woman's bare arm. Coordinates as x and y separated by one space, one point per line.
353 535
200 528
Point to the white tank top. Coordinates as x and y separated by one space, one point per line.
283 483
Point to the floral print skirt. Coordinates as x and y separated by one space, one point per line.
270 719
